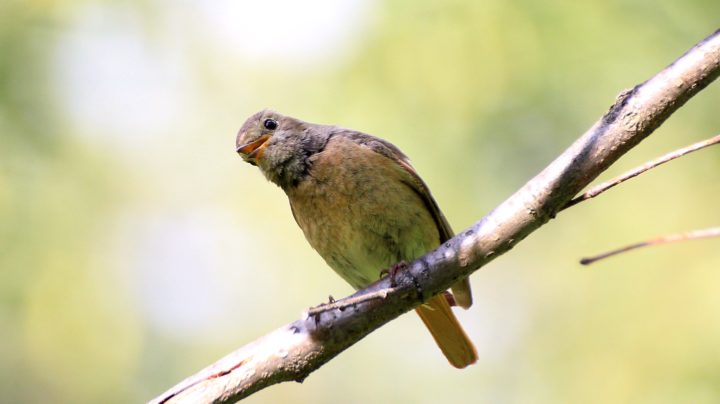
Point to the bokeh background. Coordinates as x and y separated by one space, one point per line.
136 247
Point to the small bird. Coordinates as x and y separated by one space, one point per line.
361 206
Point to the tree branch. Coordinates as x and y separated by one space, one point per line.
671 238
598 189
295 350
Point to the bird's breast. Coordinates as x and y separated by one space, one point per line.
357 210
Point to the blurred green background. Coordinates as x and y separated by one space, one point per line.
136 247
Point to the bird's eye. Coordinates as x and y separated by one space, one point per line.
270 124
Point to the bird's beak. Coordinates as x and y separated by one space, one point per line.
252 151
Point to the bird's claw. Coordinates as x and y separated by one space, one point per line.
393 271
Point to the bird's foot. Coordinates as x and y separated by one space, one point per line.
392 272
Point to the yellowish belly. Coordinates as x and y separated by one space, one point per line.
361 217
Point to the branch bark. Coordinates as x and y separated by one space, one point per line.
295 350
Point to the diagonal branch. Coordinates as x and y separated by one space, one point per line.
295 350
670 238
598 189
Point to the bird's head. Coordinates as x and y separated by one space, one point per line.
280 145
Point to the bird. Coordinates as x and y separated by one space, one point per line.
361 205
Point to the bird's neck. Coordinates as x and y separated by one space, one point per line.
291 166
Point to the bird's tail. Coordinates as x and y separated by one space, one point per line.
447 332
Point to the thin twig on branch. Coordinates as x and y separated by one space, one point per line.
671 238
295 350
597 190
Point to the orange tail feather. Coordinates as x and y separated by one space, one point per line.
447 332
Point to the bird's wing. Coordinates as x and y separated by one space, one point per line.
461 290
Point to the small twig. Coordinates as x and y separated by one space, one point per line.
690 235
597 190
350 301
